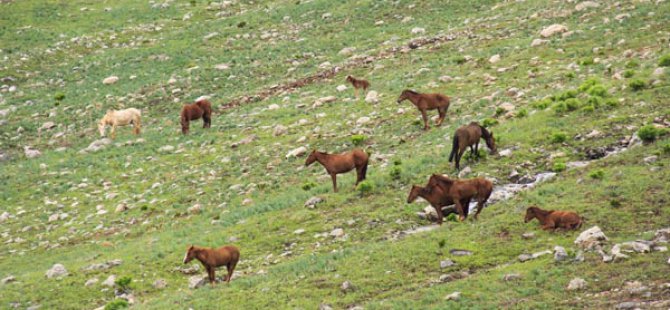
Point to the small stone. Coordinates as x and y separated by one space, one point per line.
628 305
297 152
650 159
166 148
280 130
505 153
446 263
511 277
8 279
553 30
538 42
362 120
347 287
299 231
525 257
110 80
325 307
273 106
576 284
453 296
467 170
418 30
458 252
310 203
560 254
372 97
658 72
109 282
337 233
494 59
586 5
196 208
591 238
160 284
445 79
197 281
121 208
341 88
58 270
91 282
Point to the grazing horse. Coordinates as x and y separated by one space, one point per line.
341 163
550 219
425 102
356 83
211 258
201 108
459 190
469 135
436 197
120 118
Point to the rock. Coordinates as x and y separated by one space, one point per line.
337 233
310 203
528 235
525 257
4 216
453 276
347 51
121 208
109 282
576 284
560 254
418 30
507 106
247 201
110 80
30 152
341 88
47 126
372 97
662 235
299 231
658 72
197 281
494 59
346 287
103 266
160 284
362 120
196 208
467 170
458 252
650 159
166 148
222 67
538 42
591 238
594 134
553 30
323 100
628 305
446 263
505 153
630 247
297 152
511 277
8 279
280 130
91 282
445 79
325 307
210 35
580 256
97 145
586 5
273 106
58 270
635 288
453 296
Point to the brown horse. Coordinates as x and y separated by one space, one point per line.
459 190
550 219
436 198
469 135
201 108
211 258
425 102
341 163
356 83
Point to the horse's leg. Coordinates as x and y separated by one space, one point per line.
138 125
480 205
334 177
459 208
458 158
231 269
477 149
443 113
212 276
206 121
466 206
113 132
356 92
425 120
359 175
472 152
440 216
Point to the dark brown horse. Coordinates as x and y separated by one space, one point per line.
201 108
356 83
425 102
211 258
460 190
550 219
341 163
436 198
469 135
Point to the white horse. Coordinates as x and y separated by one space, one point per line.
120 118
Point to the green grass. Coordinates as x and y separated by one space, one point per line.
251 195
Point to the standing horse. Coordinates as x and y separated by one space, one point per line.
201 108
550 219
425 102
120 118
356 83
469 135
459 190
211 258
436 197
341 163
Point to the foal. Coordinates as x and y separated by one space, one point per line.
425 102
356 83
201 108
211 258
550 219
436 197
459 190
341 163
469 135
120 118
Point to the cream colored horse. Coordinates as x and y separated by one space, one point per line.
120 118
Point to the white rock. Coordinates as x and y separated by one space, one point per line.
47 126
4 216
280 130
91 282
313 201
538 42
418 30
121 208
30 152
347 286
372 97
210 35
362 120
58 270
560 254
160 284
586 5
110 80
97 145
109 282
8 279
494 59
576 284
447 263
323 100
445 79
658 72
347 51
196 208
222 67
453 296
166 148
591 238
341 88
273 107
299 231
197 281
337 232
505 152
465 171
187 16
553 30
297 152
507 106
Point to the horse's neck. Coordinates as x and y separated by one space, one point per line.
542 215
322 158
485 133
201 255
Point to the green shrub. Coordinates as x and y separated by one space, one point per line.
594 102
241 24
192 2
611 102
632 64
597 174
664 61
452 218
144 208
588 84
522 113
123 282
597 90
441 243
615 203
587 61
397 162
558 167
570 75
116 304
542 104
358 139
588 109
567 95
365 187
648 133
59 96
459 60
637 84
395 172
628 74
307 186
558 137
665 148
499 111
488 122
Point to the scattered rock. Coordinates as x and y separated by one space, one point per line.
553 30
312 202
505 153
446 263
507 106
494 59
453 276
196 208
586 5
166 148
347 287
160 284
97 145
197 281
273 106
560 254
297 152
4 216
110 80
30 152
464 172
222 67
418 30
347 51
511 277
109 282
47 126
445 79
362 120
8 279
528 235
658 72
628 305
650 159
576 284
121 208
210 36
591 238
280 130
103 266
458 252
58 270
453 296
538 42
337 233
341 88
299 231
324 100
91 282
372 97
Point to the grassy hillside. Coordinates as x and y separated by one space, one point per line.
556 104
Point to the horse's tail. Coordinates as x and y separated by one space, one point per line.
364 170
454 148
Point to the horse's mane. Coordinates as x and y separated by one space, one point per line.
410 91
537 210
485 133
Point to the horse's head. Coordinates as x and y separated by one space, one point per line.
311 158
403 96
413 193
350 78
530 214
491 143
190 254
